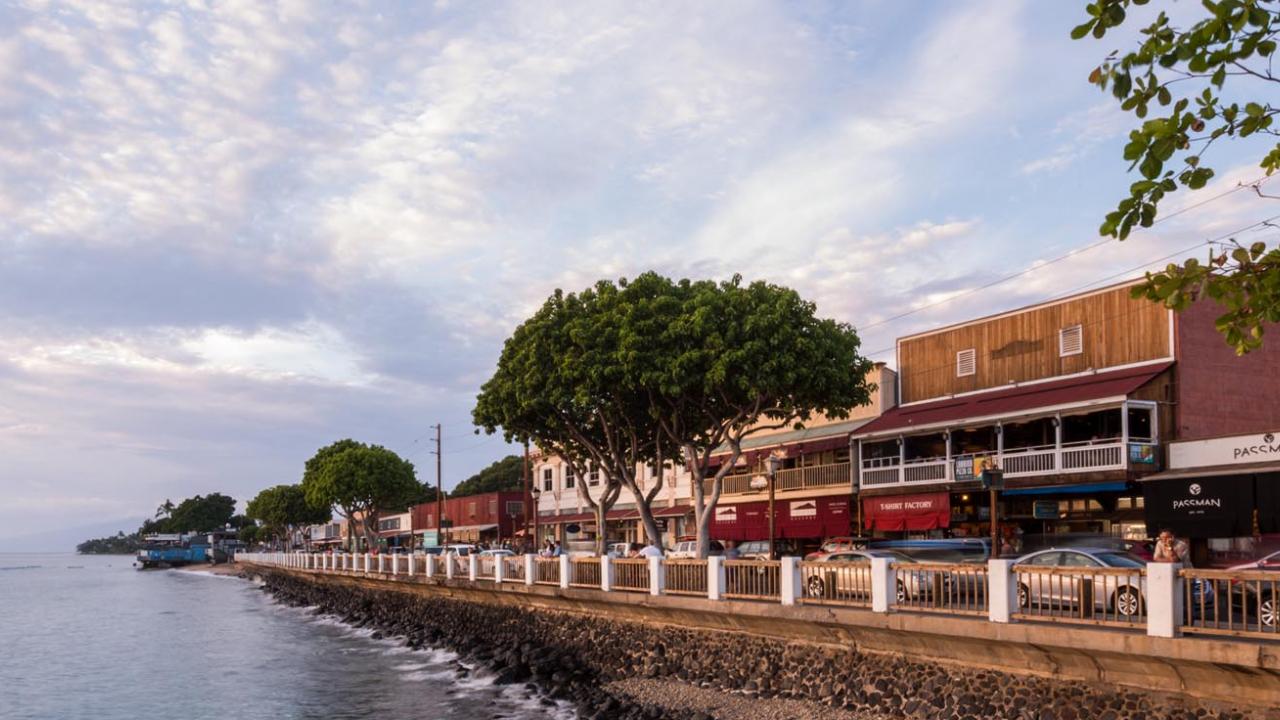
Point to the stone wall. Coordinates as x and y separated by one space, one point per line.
572 656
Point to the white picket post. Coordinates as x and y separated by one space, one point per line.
530 568
715 577
1002 590
657 575
883 582
473 567
789 583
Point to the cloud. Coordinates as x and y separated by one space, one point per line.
1085 131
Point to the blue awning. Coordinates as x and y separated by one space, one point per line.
1120 486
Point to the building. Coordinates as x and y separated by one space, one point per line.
489 517
328 535
814 487
1073 399
396 530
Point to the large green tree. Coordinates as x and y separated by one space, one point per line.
201 513
501 475
362 482
284 508
1203 84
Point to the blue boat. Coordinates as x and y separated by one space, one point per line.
168 551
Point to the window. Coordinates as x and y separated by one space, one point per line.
515 508
568 477
593 478
548 480
471 509
1070 341
493 507
966 362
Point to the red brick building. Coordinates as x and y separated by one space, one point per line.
490 517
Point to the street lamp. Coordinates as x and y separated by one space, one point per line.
535 493
758 482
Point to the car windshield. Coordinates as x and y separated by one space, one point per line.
1121 560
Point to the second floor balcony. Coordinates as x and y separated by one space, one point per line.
797 478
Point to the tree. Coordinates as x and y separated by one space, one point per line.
1182 74
202 513
361 481
285 508
500 475
248 534
165 509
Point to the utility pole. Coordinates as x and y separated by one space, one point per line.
530 510
439 493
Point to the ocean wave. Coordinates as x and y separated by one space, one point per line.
21 567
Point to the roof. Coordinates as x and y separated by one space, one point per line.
1215 470
831 436
1015 400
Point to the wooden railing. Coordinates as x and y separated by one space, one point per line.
686 577
484 567
547 571
956 588
752 579
838 583
584 572
631 574
801 478
1099 596
513 568
1231 602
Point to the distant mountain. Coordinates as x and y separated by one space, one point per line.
65 539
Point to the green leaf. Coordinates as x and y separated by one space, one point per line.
1080 31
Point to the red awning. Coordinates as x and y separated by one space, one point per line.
808 518
895 513
1007 401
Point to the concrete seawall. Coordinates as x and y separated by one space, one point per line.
853 658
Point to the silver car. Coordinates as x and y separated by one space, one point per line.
850 576
1061 578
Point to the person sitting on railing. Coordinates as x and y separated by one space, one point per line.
1171 549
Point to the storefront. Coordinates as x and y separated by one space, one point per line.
1222 494
921 513
803 519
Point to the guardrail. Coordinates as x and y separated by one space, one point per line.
1097 596
752 579
685 577
1161 598
631 574
584 572
956 588
1228 602
836 583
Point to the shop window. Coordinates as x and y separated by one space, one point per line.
1141 423
515 508
1070 341
966 362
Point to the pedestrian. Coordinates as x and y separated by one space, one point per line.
650 550
731 551
555 549
1170 549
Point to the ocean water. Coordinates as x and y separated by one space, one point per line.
91 637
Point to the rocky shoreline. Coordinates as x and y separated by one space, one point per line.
632 671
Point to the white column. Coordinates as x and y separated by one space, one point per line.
715 577
606 573
473 566
498 570
883 582
564 571
382 563
448 566
1164 599
366 563
395 565
413 560
430 565
789 584
657 573
1002 590
530 568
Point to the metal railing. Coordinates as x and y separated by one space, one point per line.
752 579
837 583
1231 602
685 577
631 574
513 568
954 588
584 572
1099 596
547 571
461 565
484 567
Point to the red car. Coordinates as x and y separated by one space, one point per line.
838 544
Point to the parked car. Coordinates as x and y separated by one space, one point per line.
820 583
759 549
497 552
1121 594
686 548
462 550
1035 542
1259 597
839 544
955 550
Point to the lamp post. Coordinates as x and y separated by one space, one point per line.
760 482
535 493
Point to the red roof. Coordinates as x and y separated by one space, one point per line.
1114 383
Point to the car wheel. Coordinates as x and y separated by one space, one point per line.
902 596
817 588
1268 614
1127 601
1024 596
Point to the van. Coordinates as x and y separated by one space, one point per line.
689 549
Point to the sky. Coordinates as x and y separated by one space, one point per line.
233 232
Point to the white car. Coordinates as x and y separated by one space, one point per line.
461 550
689 549
500 552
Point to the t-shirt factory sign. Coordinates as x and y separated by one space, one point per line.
1234 450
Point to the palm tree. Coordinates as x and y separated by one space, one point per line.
165 509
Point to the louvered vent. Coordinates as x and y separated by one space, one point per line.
1070 341
966 362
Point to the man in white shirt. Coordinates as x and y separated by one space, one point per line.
651 550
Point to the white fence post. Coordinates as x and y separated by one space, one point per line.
657 575
473 566
606 573
1164 599
530 568
448 565
430 570
413 560
382 563
789 587
883 582
395 565
564 571
1002 590
715 577
498 570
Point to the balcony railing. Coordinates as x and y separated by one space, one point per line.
801 478
1089 456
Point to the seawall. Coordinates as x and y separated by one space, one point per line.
575 642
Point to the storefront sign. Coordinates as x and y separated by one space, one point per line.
1045 510
726 513
1201 507
964 469
1142 454
803 509
431 538
1235 450
908 512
